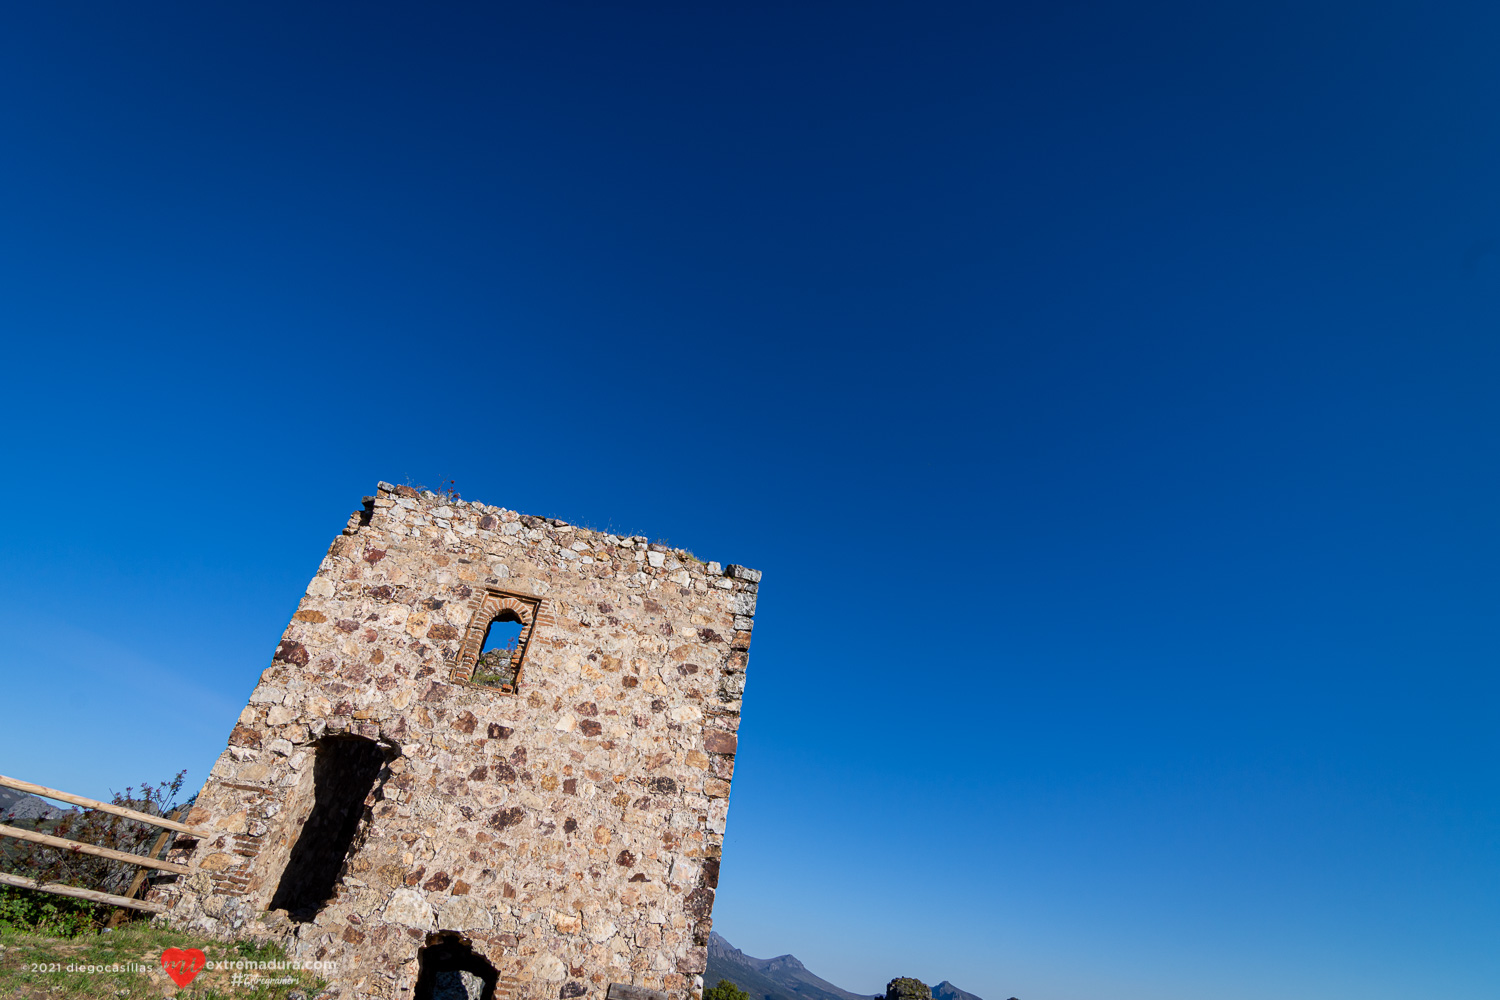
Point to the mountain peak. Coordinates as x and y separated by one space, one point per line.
947 991
786 978
781 978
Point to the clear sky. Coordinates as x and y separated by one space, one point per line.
1107 392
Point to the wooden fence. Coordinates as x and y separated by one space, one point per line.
147 860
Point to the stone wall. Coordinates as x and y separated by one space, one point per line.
568 832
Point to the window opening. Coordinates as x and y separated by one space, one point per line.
448 969
345 769
493 653
500 657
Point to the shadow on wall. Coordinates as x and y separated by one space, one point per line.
345 769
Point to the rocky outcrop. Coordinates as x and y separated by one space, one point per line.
906 988
19 805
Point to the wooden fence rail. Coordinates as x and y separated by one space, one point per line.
109 807
140 876
103 852
61 843
88 894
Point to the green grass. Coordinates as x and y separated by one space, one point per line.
140 943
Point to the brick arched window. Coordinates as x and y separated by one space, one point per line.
500 668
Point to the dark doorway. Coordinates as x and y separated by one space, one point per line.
448 969
345 769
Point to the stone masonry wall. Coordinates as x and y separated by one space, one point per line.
568 832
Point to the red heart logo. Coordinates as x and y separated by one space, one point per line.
183 964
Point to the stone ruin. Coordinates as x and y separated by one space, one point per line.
553 831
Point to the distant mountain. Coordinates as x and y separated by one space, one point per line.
947 991
19 805
780 978
785 978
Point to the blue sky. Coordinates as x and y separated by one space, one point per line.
1107 393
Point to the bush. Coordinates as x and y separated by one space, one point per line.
24 910
725 990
